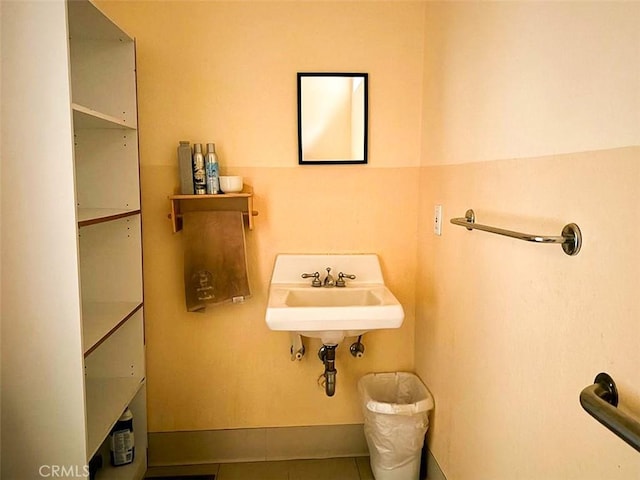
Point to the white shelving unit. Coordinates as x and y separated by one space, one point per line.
75 318
103 91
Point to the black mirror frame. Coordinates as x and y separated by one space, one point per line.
365 76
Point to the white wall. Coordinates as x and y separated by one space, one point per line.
42 387
532 119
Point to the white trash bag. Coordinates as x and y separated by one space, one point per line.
396 408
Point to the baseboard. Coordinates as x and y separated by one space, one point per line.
256 444
432 468
267 444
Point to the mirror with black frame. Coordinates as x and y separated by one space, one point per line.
332 118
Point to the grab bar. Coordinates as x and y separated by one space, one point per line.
600 401
571 239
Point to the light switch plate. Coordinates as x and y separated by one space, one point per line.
437 220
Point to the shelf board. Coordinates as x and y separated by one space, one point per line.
106 399
202 200
220 196
91 216
86 118
101 319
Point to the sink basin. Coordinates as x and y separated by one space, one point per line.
340 297
330 314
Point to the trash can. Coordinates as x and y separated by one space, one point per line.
396 408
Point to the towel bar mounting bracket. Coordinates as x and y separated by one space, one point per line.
610 391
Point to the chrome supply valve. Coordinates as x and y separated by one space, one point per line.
297 347
297 354
316 278
357 348
341 276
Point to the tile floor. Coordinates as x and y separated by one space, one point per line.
354 468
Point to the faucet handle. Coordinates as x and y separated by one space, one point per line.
341 276
316 278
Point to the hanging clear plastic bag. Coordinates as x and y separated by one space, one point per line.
396 408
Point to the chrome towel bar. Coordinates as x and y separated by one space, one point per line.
600 401
570 239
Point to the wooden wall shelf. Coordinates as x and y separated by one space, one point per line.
242 201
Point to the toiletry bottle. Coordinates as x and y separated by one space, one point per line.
122 449
199 176
211 167
186 168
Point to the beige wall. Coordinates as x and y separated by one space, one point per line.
526 112
531 118
226 72
528 79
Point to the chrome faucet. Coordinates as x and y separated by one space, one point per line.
329 281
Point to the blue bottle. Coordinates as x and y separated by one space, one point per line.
212 169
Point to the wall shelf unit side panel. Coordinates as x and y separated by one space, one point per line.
114 373
111 261
107 172
103 76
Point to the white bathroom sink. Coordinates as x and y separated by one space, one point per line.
330 313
